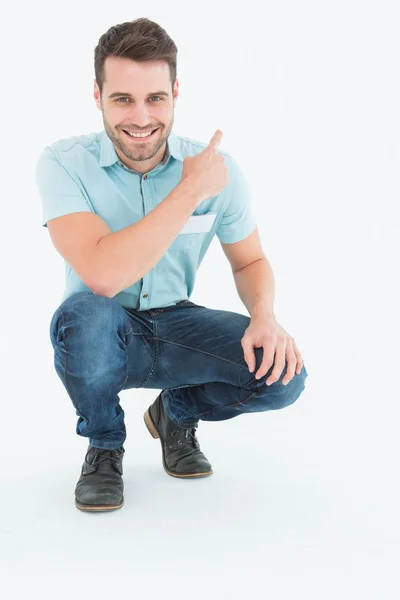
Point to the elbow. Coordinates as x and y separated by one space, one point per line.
107 293
105 289
102 290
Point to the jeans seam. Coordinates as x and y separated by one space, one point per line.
65 364
153 366
126 370
65 374
214 356
201 351
127 365
199 415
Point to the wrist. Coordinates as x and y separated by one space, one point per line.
190 186
262 311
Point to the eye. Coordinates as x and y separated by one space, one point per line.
126 98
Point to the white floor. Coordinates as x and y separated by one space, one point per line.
303 503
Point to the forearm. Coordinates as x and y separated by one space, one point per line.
125 256
256 288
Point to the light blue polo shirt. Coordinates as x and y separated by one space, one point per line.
84 174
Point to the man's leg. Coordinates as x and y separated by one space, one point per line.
90 334
201 367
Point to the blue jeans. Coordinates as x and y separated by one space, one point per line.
190 352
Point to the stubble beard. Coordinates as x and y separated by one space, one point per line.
140 153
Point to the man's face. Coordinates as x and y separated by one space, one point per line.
142 100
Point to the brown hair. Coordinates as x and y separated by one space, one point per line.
138 40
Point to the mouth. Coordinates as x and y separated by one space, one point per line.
142 139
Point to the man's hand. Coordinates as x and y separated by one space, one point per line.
207 170
266 333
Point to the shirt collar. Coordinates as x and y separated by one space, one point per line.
108 156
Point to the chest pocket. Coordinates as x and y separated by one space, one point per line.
192 234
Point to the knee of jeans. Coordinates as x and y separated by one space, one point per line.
55 327
295 387
279 396
88 312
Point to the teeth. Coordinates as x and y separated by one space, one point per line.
140 134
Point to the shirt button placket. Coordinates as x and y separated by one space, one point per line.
144 295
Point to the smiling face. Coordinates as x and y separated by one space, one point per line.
137 97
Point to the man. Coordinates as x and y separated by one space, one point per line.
132 210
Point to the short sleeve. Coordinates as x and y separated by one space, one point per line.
59 192
238 220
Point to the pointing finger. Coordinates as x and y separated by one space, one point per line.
215 140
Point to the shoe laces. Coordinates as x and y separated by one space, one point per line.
189 435
105 455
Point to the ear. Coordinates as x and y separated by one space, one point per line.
176 91
96 95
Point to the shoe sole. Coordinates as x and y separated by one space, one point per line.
155 434
97 508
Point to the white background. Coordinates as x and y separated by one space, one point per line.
304 502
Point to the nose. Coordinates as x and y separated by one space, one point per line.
140 117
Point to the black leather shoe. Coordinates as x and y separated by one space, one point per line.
100 486
180 448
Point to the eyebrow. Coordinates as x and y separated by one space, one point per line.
115 94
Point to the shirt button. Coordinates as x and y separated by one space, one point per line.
145 177
145 295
